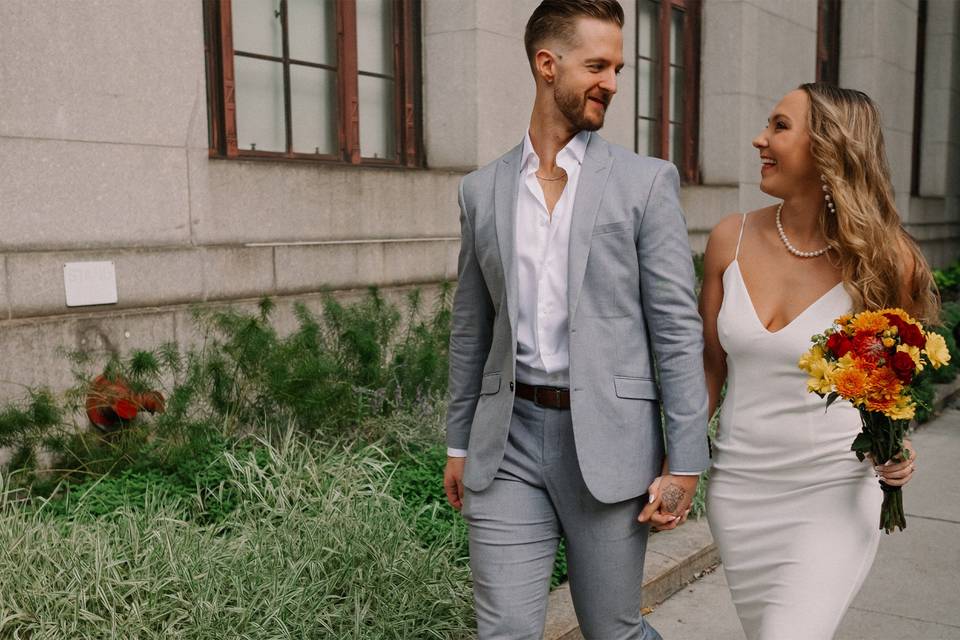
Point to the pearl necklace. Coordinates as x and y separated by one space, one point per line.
792 249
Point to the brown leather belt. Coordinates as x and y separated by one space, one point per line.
550 397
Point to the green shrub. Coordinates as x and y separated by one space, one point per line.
329 377
948 279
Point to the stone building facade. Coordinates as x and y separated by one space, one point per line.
111 146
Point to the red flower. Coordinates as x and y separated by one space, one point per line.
912 335
868 347
839 344
903 366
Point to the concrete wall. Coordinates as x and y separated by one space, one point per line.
937 209
753 52
103 155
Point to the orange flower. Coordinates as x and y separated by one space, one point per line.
870 322
850 382
881 405
883 383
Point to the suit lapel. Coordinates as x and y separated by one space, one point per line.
506 183
597 162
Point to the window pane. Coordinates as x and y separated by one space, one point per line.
375 36
377 118
676 94
259 95
256 27
313 105
676 144
647 89
647 29
676 37
646 138
312 30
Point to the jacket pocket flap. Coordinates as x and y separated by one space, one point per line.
637 388
612 227
490 384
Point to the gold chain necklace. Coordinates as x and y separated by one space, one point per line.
550 179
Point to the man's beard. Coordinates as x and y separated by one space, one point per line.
573 107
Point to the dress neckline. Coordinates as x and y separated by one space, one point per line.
753 309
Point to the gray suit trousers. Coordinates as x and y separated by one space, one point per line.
515 524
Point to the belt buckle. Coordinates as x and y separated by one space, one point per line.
556 396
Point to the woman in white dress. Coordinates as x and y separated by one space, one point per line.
794 513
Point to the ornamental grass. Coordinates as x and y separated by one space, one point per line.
316 547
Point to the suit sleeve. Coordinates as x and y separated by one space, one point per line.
676 331
471 332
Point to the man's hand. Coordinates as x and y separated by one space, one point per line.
670 498
453 481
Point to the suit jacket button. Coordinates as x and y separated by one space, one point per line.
511 385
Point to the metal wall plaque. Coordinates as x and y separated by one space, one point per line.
89 283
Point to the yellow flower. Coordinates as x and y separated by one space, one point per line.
899 312
914 353
936 350
815 354
870 322
888 342
903 410
821 376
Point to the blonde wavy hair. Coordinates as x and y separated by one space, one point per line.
866 235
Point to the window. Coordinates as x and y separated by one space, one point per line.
828 41
668 82
313 80
922 9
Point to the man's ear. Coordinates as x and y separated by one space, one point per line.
545 65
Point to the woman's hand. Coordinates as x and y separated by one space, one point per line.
897 472
669 501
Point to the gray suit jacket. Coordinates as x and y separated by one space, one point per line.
632 311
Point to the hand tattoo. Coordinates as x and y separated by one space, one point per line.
671 498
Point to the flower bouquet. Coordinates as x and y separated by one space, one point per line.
872 359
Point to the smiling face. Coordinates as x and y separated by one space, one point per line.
787 164
586 73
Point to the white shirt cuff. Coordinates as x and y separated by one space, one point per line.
684 473
456 453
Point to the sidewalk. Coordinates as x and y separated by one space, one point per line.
913 590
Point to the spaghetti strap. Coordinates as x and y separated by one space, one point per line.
743 223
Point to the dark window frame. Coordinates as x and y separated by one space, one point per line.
692 10
916 149
828 42
407 112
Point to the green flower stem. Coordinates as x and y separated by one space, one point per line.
882 438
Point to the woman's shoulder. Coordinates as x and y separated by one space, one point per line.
722 242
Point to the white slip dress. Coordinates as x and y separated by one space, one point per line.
794 514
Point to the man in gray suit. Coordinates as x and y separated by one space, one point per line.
574 320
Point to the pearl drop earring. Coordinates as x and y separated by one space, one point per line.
827 196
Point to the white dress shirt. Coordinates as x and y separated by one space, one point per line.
542 244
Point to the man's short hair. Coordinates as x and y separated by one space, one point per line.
557 20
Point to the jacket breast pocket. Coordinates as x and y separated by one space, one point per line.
490 384
635 388
612 227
